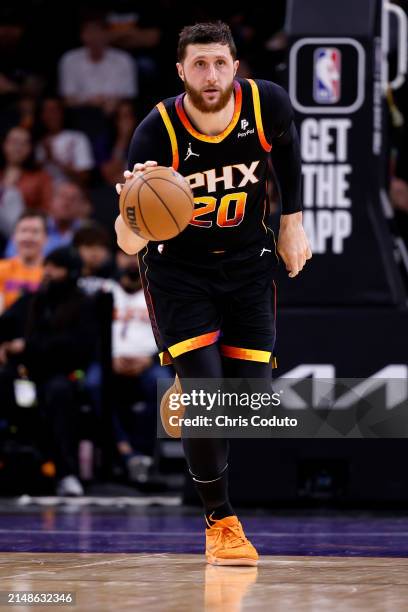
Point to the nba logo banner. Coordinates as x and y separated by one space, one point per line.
327 75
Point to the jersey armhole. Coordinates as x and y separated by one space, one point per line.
258 116
172 134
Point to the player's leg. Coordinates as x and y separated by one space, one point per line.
187 321
207 458
249 313
249 332
260 375
241 368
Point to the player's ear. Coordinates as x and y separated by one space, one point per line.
180 71
236 66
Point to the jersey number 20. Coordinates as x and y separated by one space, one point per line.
229 214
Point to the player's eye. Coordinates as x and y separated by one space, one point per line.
220 63
199 64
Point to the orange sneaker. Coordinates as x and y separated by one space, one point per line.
174 431
226 543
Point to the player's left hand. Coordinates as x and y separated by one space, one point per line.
293 245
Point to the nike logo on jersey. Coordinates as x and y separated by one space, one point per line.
265 251
238 175
190 153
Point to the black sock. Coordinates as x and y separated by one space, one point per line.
219 513
214 495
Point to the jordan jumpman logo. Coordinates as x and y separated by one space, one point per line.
190 152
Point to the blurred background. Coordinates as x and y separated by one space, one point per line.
78 364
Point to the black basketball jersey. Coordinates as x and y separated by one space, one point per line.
228 173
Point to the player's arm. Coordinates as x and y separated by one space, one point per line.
293 245
149 142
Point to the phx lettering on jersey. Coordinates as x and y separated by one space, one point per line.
230 209
228 180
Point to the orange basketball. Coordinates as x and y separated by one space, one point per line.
157 204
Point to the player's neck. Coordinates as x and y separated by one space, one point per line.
31 261
210 124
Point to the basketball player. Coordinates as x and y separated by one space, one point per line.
210 289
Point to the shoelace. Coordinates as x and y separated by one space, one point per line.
237 540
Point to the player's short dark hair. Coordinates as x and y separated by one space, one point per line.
205 33
92 234
30 213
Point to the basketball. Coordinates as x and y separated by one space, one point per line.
157 204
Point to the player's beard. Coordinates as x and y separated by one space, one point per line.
198 101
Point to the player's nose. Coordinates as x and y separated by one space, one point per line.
212 74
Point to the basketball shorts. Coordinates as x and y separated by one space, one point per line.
193 303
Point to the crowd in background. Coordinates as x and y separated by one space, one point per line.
75 80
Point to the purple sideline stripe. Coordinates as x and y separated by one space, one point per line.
54 530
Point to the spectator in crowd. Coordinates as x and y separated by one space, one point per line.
19 171
15 63
23 273
139 33
135 371
93 243
27 111
11 32
20 68
66 154
52 334
125 123
67 208
11 207
96 74
127 31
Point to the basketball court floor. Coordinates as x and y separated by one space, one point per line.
118 557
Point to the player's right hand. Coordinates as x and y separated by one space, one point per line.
130 174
